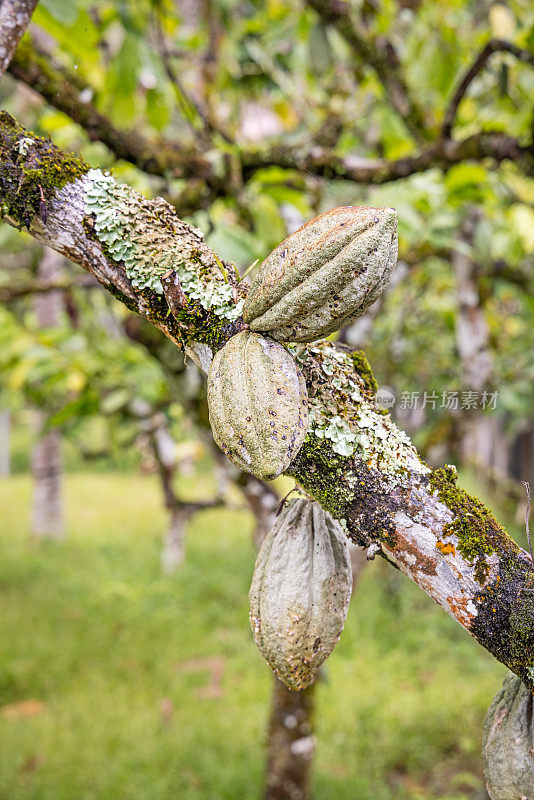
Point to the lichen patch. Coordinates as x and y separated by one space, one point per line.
149 239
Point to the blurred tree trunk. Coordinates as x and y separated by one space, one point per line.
156 436
46 463
290 743
263 501
162 447
290 738
472 342
5 429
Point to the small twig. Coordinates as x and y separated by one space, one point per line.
191 109
282 502
493 46
244 275
527 516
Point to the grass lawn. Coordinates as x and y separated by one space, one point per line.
117 683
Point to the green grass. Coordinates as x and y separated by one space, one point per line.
92 630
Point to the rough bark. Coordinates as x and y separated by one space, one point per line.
46 462
382 493
15 17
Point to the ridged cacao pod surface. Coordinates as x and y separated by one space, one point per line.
258 404
300 592
324 275
508 742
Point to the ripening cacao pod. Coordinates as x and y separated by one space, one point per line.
300 592
508 742
324 275
258 404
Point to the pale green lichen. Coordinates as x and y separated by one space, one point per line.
140 233
342 411
24 144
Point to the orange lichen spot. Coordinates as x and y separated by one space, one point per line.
459 608
445 547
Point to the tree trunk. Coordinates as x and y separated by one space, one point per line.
173 550
263 502
5 454
472 342
46 464
291 743
48 520
291 740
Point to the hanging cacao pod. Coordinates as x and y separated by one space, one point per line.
258 404
508 742
324 275
300 592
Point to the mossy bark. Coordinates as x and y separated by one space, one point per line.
355 461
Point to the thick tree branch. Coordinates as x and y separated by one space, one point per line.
15 17
63 91
381 56
383 494
493 46
443 154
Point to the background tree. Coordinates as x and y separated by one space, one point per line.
262 101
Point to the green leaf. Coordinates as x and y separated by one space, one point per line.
65 11
157 110
319 50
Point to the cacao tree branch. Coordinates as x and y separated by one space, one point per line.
381 56
63 90
375 484
15 17
493 46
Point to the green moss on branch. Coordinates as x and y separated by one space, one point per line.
32 169
478 532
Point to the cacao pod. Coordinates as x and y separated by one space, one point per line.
300 592
508 742
324 275
258 404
